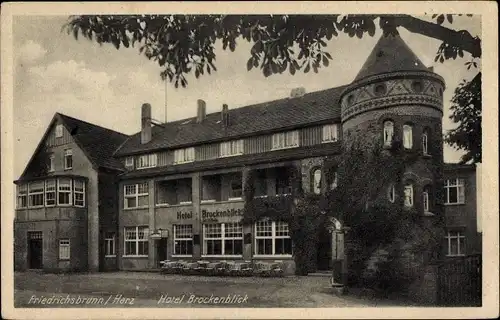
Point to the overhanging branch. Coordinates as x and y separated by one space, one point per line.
433 30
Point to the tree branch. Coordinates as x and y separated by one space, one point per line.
433 30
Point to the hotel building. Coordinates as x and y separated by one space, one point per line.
175 190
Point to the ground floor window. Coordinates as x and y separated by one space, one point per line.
223 239
64 249
272 238
136 241
183 239
456 243
109 243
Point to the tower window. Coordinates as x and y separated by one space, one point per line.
407 136
392 193
388 132
350 99
425 142
408 191
417 86
426 199
380 89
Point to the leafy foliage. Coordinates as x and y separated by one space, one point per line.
380 231
466 112
183 44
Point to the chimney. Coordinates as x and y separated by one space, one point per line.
145 123
225 115
202 111
297 92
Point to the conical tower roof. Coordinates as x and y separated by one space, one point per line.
390 54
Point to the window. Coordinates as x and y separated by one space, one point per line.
425 200
68 159
136 241
392 193
330 133
64 249
22 196
454 191
64 191
129 161
417 86
183 240
59 131
408 191
231 148
109 243
136 195
183 155
236 187
35 194
223 239
334 183
283 183
172 192
380 89
211 188
51 166
316 180
147 161
79 193
285 140
456 243
407 136
50 193
272 238
425 147
388 132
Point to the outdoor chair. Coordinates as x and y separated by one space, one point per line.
235 269
221 268
277 268
201 267
246 268
230 268
167 266
178 266
189 268
264 269
212 268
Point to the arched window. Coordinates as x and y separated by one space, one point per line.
425 141
408 191
392 193
426 199
316 179
388 132
407 136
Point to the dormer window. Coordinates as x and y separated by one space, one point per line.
146 161
184 155
129 161
330 133
285 140
231 148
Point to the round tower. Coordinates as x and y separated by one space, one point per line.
395 98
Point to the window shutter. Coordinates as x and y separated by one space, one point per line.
461 191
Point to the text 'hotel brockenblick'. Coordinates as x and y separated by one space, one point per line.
95 199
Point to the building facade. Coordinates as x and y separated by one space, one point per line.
66 199
177 188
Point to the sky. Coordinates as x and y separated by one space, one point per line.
53 72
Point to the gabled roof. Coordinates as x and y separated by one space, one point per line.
96 142
390 54
264 117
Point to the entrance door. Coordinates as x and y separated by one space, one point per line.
162 250
35 250
324 253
